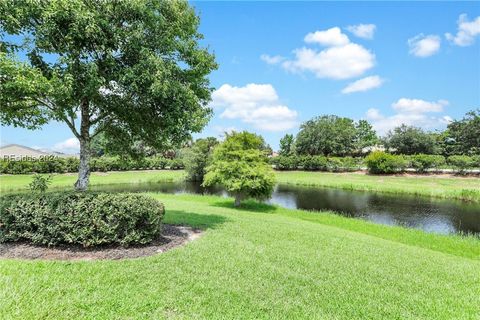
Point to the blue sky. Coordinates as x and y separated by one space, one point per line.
282 63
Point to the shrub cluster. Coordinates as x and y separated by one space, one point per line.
382 162
82 218
462 163
63 165
424 162
316 163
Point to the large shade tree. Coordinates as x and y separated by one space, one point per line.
410 140
133 70
327 135
464 135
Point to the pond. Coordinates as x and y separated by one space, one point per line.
429 214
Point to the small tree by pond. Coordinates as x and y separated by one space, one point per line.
241 166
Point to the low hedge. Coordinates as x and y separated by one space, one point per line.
82 218
316 163
424 162
462 163
64 165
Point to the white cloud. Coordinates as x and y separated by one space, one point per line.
222 130
341 59
344 62
256 104
364 31
332 37
71 145
271 59
364 84
412 112
424 46
418 105
466 31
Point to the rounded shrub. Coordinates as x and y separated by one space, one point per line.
383 162
82 218
423 162
461 163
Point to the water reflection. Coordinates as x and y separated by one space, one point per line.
432 215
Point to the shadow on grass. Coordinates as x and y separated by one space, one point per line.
247 205
201 221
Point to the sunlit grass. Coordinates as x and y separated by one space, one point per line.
453 187
259 262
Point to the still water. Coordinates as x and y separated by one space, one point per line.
431 215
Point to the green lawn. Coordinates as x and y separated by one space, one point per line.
453 187
21 181
465 188
259 262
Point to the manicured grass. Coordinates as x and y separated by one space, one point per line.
21 181
259 262
452 187
463 188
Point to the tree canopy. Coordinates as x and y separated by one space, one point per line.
287 145
464 134
410 140
198 157
240 165
326 135
133 70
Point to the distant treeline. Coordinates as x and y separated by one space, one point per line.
331 135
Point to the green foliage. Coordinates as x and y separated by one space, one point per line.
287 145
462 163
101 164
240 165
175 164
410 140
133 70
382 162
40 183
198 157
365 135
327 135
316 163
423 162
465 134
82 218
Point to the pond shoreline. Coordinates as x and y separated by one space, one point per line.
466 188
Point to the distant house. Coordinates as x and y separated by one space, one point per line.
19 152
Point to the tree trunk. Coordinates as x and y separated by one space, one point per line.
238 200
84 168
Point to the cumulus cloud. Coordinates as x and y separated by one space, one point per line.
418 105
71 145
466 31
329 38
343 62
341 59
271 59
256 104
412 112
364 84
364 31
424 46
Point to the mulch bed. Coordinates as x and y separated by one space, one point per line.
172 236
